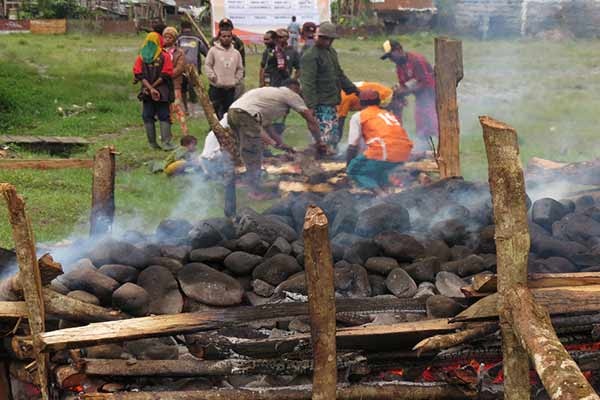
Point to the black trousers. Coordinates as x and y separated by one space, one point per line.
221 99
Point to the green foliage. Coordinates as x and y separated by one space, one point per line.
54 9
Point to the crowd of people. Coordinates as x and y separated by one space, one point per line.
300 71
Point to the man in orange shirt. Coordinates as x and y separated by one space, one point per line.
351 102
386 144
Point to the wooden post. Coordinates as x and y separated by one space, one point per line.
507 186
30 278
103 191
448 73
318 263
531 323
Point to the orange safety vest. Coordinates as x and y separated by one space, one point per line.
384 136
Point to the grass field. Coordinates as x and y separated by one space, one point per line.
547 90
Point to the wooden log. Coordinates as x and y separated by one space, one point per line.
318 263
401 336
380 391
487 283
103 191
70 309
30 277
11 289
46 164
448 74
225 136
13 309
507 186
191 368
582 173
439 342
560 375
561 300
165 325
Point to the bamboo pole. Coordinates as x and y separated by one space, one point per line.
103 191
30 277
507 186
448 74
318 263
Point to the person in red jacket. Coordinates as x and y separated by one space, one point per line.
415 76
154 69
384 142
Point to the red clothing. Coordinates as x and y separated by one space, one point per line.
416 67
167 67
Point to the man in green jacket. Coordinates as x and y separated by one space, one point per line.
322 80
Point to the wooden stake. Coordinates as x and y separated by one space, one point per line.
507 186
448 73
439 342
30 277
103 191
560 375
318 263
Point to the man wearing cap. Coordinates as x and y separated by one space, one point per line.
386 144
238 44
322 81
308 35
415 76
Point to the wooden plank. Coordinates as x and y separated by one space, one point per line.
165 325
30 278
448 74
13 309
561 300
48 26
46 164
318 263
486 283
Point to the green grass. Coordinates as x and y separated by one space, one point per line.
547 90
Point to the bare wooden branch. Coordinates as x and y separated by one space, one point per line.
30 277
383 391
439 342
448 73
46 164
103 191
560 375
507 186
318 263
225 136
560 300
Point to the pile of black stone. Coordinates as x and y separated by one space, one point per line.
422 243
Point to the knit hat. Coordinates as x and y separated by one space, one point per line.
169 30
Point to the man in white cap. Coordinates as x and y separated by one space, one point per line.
322 81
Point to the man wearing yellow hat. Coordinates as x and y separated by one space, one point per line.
351 102
386 144
415 76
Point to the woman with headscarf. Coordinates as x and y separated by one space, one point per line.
178 59
154 68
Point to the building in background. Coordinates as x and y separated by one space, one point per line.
402 16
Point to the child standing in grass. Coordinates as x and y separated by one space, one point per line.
154 69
